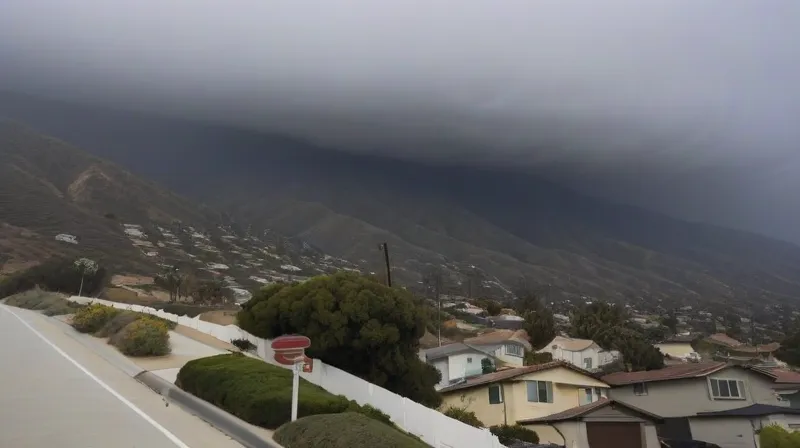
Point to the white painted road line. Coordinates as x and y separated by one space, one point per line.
40 390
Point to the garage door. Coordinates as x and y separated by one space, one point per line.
725 432
614 435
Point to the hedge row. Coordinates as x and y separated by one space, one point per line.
49 303
346 430
260 393
134 334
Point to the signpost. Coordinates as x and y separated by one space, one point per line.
290 351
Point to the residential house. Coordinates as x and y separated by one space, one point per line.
786 383
564 404
508 346
679 346
583 353
507 322
459 360
714 402
722 347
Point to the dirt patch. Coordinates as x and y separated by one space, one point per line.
131 280
221 317
125 295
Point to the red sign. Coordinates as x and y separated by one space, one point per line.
290 349
289 342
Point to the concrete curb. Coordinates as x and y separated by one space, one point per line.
216 417
224 422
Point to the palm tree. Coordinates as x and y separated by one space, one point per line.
85 266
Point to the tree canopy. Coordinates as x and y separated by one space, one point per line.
539 323
608 326
790 346
354 323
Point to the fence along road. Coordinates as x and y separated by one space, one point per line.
54 392
435 428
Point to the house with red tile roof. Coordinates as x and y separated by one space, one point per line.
722 347
564 404
785 382
706 401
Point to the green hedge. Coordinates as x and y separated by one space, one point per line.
509 434
346 430
49 303
255 391
774 436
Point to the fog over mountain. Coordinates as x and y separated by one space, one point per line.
685 107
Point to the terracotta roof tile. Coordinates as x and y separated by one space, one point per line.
500 336
571 344
503 375
675 372
780 376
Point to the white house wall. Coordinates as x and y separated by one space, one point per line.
733 432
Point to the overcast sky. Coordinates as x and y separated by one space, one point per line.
689 107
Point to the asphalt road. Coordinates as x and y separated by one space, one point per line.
55 392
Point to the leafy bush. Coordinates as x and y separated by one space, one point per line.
509 434
464 416
117 323
142 337
50 304
346 430
244 345
92 318
123 318
253 390
775 436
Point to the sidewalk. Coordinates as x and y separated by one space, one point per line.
187 345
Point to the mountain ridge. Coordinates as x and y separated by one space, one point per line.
514 227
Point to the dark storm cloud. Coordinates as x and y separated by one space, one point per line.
684 106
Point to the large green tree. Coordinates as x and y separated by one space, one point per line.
790 346
354 323
608 326
539 324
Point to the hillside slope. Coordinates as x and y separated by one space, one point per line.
509 224
50 188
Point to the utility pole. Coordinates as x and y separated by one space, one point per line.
437 285
385 249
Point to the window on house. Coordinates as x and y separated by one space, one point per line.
469 360
495 394
587 363
599 393
725 389
540 391
587 396
640 389
513 349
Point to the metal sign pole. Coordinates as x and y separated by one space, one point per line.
296 368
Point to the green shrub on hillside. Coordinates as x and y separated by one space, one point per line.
260 393
57 274
49 303
346 430
142 337
508 434
92 318
117 323
464 416
253 390
775 436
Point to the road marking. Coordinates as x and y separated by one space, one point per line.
172 437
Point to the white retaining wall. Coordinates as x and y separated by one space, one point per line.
435 428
